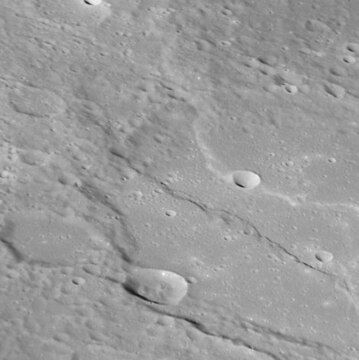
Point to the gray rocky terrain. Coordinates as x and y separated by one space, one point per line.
179 180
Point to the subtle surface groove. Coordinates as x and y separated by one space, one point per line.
178 180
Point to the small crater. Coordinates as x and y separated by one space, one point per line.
171 213
36 102
269 60
349 59
338 71
324 256
246 179
159 286
290 89
78 281
93 2
353 47
335 90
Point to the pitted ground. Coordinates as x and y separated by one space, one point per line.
214 143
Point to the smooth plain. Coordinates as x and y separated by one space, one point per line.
179 180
